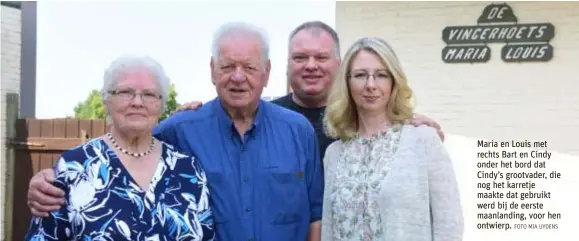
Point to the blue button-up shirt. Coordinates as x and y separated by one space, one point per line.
264 186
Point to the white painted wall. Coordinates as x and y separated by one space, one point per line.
10 68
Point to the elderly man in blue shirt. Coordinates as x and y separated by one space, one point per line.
262 161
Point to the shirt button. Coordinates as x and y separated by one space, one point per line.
248 209
250 239
246 179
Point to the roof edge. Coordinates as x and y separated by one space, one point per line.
12 4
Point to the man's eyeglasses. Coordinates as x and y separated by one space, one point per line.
129 95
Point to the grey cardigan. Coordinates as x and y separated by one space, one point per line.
419 198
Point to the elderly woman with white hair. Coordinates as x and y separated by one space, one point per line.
127 185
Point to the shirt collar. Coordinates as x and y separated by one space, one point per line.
225 120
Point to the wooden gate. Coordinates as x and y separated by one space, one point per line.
37 145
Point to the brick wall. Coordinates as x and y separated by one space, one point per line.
11 24
494 100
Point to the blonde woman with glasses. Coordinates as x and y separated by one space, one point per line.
384 180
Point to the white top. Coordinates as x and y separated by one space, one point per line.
398 185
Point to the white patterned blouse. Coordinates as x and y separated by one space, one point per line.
398 185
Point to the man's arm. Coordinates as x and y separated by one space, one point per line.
53 225
419 120
165 131
43 197
193 105
315 183
315 231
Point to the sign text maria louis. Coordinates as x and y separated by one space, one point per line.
498 24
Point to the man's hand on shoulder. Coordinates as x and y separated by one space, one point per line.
419 120
43 197
193 105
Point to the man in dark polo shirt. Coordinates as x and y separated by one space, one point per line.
313 60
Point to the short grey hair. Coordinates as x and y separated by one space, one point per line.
321 26
121 64
236 27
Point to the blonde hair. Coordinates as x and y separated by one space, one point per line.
341 118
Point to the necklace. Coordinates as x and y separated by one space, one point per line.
123 150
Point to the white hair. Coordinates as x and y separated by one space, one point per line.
126 62
236 27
